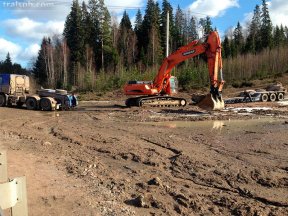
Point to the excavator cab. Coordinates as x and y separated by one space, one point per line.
173 85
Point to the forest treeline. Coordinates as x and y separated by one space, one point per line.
7 66
96 52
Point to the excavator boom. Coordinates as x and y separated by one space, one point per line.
164 84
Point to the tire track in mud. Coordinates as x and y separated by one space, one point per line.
173 150
235 190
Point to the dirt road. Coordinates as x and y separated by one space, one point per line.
104 159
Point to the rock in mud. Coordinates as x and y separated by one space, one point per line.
155 181
47 143
140 202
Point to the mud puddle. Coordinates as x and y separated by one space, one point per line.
235 125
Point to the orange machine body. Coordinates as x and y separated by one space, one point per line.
161 85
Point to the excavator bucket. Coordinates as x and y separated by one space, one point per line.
210 102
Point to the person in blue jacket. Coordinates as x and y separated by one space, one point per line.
74 100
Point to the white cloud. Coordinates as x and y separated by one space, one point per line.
212 8
45 10
28 29
8 46
59 9
29 52
17 53
279 12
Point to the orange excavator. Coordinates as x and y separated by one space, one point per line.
160 91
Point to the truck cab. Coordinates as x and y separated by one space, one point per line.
13 89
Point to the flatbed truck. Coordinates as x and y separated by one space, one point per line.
15 91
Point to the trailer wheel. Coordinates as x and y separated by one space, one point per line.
264 97
272 97
45 104
2 100
280 96
31 103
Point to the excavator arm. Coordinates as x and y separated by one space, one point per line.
211 47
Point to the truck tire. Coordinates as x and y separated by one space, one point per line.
2 100
31 103
45 104
264 97
272 97
280 96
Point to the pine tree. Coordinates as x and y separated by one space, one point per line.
266 26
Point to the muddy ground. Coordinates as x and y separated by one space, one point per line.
105 159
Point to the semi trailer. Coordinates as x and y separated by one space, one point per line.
15 91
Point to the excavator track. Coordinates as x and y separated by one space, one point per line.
155 101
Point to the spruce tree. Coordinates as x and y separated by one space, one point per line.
206 25
73 32
238 39
138 29
104 51
179 28
151 23
40 66
226 51
7 64
125 33
266 26
87 24
74 35
286 33
279 37
166 8
253 43
193 33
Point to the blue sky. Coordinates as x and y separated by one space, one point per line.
22 26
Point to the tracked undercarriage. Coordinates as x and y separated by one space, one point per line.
155 101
